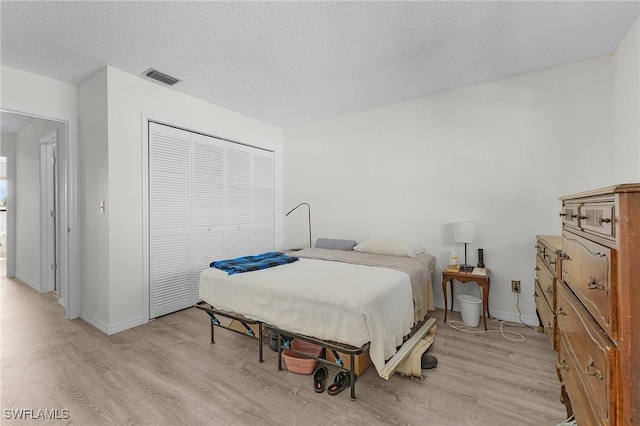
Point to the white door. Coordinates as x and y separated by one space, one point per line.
209 199
207 203
170 287
262 202
238 206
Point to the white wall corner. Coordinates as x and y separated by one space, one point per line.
89 319
125 325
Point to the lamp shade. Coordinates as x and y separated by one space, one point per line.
464 232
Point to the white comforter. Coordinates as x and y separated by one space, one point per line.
342 302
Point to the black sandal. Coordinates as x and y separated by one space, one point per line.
319 377
340 383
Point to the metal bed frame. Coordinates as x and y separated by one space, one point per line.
212 311
334 347
285 344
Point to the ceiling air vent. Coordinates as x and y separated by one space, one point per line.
161 77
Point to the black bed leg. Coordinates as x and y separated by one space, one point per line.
352 375
279 352
213 340
260 342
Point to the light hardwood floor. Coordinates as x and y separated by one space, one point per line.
167 372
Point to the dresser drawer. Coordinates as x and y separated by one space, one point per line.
549 250
581 406
588 355
570 213
597 218
546 314
546 281
589 268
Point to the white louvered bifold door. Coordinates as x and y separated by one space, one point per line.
262 202
209 199
170 287
207 205
238 211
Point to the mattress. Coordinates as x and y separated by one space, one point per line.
331 300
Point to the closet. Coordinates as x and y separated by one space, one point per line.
209 199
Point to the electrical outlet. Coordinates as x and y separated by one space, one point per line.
515 286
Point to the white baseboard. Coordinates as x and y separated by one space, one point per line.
531 320
110 329
125 325
28 282
501 315
94 322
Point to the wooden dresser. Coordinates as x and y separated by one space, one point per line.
548 273
598 305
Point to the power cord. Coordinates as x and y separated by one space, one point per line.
461 326
571 421
507 322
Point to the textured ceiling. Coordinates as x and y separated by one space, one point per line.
290 62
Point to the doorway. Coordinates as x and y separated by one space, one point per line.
33 202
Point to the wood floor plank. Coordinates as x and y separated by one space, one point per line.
166 372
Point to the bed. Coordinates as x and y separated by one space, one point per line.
349 297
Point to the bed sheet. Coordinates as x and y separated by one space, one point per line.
343 302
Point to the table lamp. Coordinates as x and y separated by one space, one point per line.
464 232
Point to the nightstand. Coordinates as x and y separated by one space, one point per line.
483 281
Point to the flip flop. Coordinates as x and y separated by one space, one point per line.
319 377
340 383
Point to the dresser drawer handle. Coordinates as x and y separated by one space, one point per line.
562 214
565 256
582 217
604 220
536 269
573 216
561 311
562 365
596 373
549 290
552 262
593 285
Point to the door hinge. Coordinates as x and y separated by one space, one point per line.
53 160
52 213
54 266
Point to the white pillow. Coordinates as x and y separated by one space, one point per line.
393 248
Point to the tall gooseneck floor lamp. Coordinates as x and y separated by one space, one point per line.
464 232
307 204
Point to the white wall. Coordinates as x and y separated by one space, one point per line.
626 107
35 95
499 153
27 164
93 186
129 98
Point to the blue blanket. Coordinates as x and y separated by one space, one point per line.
253 263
